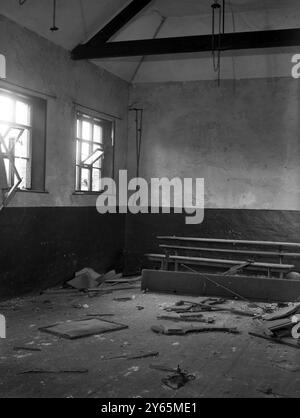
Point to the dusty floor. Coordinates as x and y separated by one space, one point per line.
224 365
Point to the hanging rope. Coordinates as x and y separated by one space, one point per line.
218 29
54 28
139 113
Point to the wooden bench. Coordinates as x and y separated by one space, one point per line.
268 254
175 253
179 260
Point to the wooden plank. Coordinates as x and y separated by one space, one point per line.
219 262
233 242
229 251
117 23
187 44
196 284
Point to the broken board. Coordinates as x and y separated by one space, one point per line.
252 288
83 328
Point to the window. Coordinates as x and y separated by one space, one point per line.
16 130
22 148
94 152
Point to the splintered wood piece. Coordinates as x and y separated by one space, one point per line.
282 313
54 371
185 329
275 340
184 318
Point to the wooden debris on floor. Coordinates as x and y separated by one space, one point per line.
136 356
89 280
85 279
107 276
31 349
282 313
206 306
183 329
281 326
54 371
128 280
294 368
124 299
83 328
186 318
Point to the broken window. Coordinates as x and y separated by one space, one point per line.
22 142
16 131
94 152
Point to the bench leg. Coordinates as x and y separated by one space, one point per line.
176 262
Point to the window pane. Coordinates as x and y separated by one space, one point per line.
98 133
85 151
21 147
85 179
13 137
78 161
3 129
7 169
6 109
22 167
86 131
96 180
77 178
94 157
78 127
22 113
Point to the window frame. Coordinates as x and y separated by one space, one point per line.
37 129
14 125
95 119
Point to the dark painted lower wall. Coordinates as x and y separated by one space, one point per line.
40 247
268 225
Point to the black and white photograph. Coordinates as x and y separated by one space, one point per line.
149 202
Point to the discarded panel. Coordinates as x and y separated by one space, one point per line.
84 328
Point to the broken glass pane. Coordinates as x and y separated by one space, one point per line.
21 166
22 145
85 179
96 180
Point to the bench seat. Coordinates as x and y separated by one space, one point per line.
229 251
218 262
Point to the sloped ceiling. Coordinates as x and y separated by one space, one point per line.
78 20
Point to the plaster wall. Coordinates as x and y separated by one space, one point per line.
242 138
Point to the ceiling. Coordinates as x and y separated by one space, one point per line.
78 20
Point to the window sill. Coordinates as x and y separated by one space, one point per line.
88 193
32 191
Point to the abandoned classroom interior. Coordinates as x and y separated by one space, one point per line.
144 304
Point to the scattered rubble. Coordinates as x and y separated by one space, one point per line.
281 326
177 379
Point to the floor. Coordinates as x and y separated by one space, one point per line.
224 365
